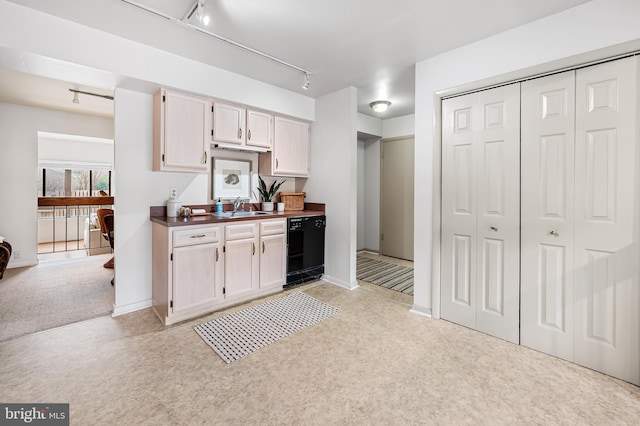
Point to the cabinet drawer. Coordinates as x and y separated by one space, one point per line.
241 231
189 237
273 227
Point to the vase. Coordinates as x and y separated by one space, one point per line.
267 206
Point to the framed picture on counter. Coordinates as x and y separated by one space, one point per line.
230 178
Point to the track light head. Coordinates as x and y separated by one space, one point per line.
307 81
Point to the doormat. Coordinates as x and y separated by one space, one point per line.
384 274
240 333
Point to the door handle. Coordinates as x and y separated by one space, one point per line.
494 229
216 254
254 248
240 133
249 134
554 233
263 246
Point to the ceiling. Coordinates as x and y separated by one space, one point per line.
368 44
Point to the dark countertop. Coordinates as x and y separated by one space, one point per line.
158 214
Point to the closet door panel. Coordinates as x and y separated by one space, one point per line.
458 288
548 117
606 269
498 188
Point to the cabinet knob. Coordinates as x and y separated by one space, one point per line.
554 233
249 134
240 133
494 229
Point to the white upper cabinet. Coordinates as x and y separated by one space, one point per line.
229 124
239 128
181 128
290 151
259 129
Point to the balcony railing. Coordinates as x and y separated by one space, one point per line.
65 224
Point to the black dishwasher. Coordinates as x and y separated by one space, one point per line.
305 248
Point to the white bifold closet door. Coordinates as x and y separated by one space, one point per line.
580 201
481 211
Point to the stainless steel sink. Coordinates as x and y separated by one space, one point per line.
235 215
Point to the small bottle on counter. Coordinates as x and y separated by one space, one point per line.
219 206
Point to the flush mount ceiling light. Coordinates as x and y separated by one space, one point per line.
199 5
379 106
77 101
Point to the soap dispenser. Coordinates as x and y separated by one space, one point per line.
173 205
219 206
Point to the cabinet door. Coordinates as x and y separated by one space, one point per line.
181 132
195 273
259 129
273 270
241 267
228 123
291 148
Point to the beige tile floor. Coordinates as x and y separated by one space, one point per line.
375 363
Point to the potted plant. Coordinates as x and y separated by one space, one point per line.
268 194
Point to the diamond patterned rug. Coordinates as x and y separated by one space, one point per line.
240 333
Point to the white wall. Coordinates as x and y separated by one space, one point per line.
54 47
361 196
372 126
399 126
372 195
72 52
75 151
19 126
516 53
333 167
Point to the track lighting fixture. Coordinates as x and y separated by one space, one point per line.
379 106
307 80
77 101
198 9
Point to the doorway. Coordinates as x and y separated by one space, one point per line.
396 197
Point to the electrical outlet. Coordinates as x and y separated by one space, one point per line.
174 193
17 254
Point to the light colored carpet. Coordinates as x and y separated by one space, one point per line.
240 333
385 274
53 294
373 364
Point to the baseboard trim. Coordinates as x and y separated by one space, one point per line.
421 310
340 283
21 263
126 309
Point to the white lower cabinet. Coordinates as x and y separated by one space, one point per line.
273 248
199 269
241 259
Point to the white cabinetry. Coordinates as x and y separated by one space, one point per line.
188 271
239 128
273 247
181 128
290 151
241 259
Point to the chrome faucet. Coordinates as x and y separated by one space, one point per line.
236 203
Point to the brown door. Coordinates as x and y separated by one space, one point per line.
396 198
